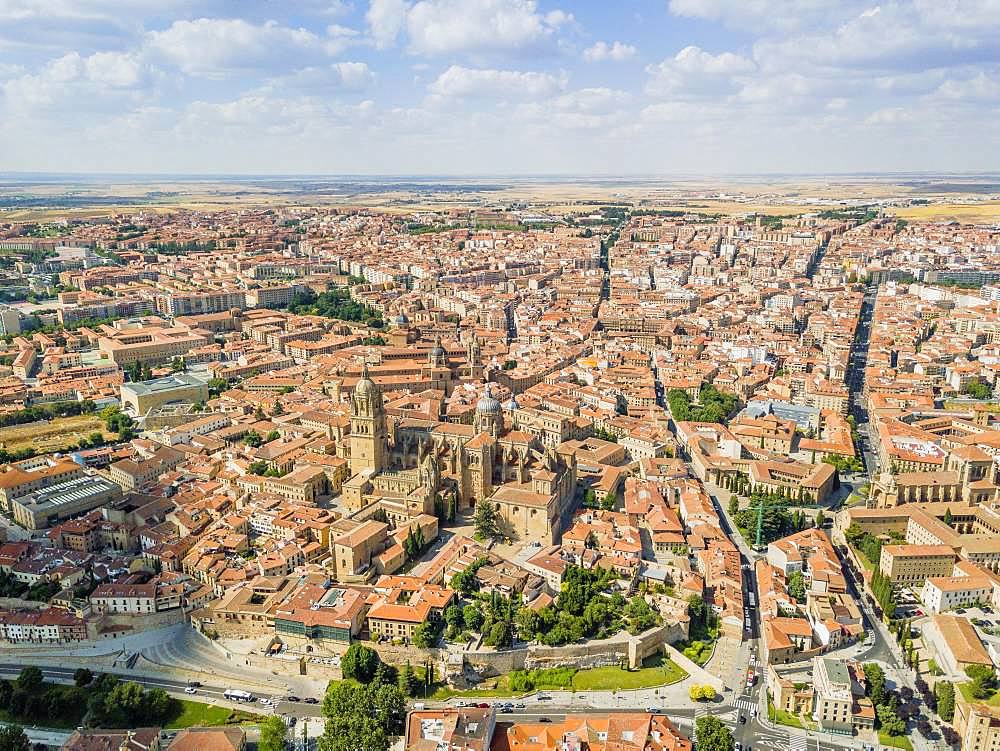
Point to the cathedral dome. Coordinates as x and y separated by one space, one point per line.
511 404
488 404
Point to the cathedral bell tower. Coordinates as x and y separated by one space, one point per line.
369 442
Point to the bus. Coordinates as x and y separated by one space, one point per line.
234 694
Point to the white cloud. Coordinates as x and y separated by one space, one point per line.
216 47
764 14
385 20
75 82
694 71
115 69
602 51
889 116
980 87
479 27
461 82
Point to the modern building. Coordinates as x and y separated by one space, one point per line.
139 398
43 508
839 703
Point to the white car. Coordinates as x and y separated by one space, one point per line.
190 690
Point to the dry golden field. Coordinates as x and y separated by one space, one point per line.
52 435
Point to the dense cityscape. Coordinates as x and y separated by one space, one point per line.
500 477
499 375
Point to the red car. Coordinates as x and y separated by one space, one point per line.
484 705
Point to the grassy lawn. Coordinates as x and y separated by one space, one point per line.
655 671
194 713
896 741
966 689
782 717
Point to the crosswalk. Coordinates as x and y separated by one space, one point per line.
796 740
745 704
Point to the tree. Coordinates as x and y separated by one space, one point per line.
610 499
486 521
30 679
820 519
889 720
362 717
252 439
948 518
696 609
797 586
983 680
453 617
875 679
272 734
734 504
473 617
945 693
425 635
712 735
13 738
82 677
360 662
409 684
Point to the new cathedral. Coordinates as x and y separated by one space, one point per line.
409 466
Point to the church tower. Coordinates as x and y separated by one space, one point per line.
474 354
369 442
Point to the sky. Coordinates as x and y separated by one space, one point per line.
499 87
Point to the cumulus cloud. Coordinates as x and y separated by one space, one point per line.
602 51
443 27
695 71
461 82
216 47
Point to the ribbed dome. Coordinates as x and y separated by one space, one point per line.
366 386
511 404
488 403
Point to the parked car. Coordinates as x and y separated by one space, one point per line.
292 698
190 690
484 705
311 700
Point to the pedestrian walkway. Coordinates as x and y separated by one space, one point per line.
746 704
797 740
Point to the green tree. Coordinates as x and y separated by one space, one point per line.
875 680
486 521
797 586
948 518
453 616
820 519
252 439
360 662
945 693
272 734
891 722
473 617
362 717
425 635
712 735
13 738
409 684
734 504
82 677
30 679
983 680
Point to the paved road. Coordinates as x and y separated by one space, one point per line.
207 693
